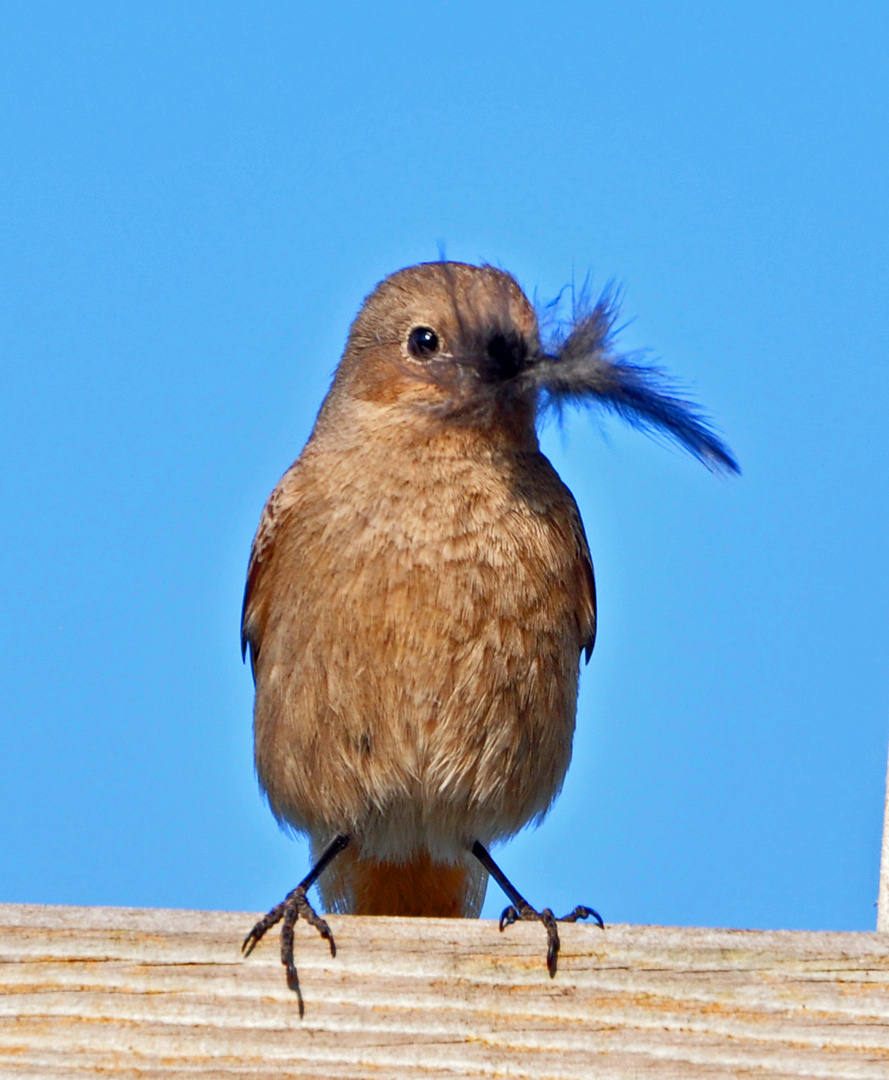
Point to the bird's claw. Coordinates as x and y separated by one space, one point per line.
525 912
259 930
582 912
294 906
508 916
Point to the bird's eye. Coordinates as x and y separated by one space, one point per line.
423 342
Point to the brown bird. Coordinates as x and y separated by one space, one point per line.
420 592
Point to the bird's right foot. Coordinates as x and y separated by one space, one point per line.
295 905
291 908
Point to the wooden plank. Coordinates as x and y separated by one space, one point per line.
127 993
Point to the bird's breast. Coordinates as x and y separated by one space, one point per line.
421 689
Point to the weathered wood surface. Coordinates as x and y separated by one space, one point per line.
150 993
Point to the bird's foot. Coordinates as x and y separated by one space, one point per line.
524 912
290 909
294 906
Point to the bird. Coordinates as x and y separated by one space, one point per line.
420 593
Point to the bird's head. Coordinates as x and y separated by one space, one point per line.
461 345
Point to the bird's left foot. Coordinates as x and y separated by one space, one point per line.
526 913
521 909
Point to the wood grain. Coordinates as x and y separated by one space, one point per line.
135 993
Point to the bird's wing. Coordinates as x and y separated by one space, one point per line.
587 584
257 591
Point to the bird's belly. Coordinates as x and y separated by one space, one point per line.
421 740
425 696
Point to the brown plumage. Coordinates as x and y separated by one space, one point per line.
420 592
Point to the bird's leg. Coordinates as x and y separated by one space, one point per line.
521 909
290 909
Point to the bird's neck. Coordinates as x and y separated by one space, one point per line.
404 430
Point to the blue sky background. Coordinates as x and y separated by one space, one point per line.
194 199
